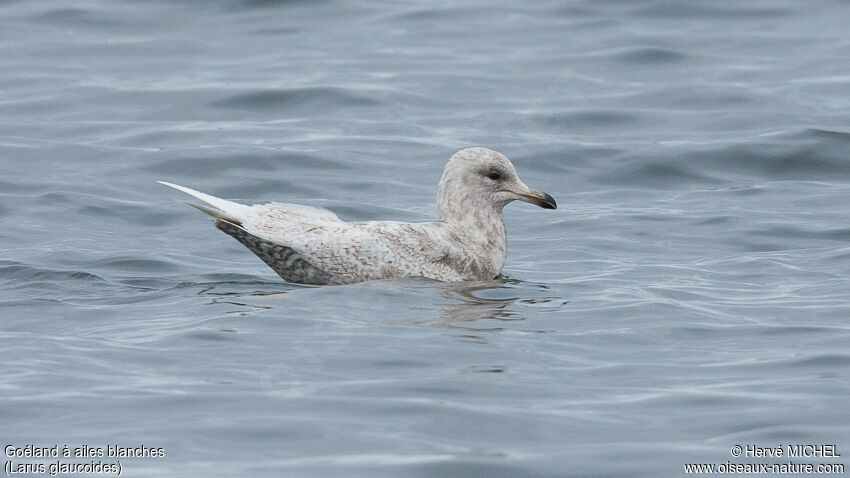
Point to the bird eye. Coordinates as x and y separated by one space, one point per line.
494 176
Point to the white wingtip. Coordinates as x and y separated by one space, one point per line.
231 209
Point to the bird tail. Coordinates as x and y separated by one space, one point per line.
227 210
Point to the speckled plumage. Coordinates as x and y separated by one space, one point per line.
313 246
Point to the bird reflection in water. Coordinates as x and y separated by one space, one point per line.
469 306
472 308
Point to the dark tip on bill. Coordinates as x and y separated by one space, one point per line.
548 202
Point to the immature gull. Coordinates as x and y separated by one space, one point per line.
312 246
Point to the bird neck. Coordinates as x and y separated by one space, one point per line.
467 210
480 223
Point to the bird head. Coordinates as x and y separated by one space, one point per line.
480 178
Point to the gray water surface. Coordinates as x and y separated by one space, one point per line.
689 294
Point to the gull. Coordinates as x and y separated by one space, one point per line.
309 245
